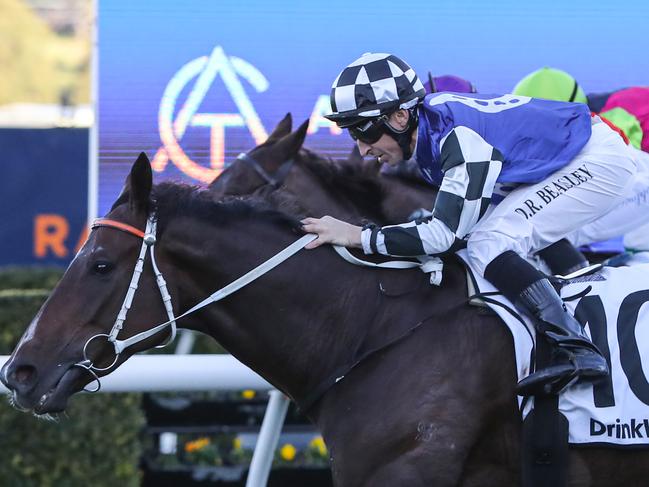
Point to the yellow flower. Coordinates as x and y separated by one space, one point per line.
236 443
288 452
248 394
319 444
196 445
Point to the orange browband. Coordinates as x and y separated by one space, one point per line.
105 222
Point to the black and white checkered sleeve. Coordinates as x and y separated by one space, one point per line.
471 167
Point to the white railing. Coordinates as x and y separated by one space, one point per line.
160 373
163 373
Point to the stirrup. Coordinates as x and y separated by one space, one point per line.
550 380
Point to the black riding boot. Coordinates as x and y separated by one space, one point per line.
563 258
574 357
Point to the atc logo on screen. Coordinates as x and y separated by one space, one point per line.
200 73
205 69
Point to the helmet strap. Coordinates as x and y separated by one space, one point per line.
404 137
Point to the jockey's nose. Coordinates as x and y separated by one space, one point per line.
20 378
363 148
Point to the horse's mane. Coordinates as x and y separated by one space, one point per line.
355 182
172 200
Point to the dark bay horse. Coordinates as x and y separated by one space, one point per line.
435 406
352 190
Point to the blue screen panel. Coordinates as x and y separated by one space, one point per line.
193 83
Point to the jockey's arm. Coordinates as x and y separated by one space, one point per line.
471 167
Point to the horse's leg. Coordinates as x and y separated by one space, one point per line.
431 451
407 471
417 424
495 458
608 467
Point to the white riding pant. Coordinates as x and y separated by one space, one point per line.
534 216
629 218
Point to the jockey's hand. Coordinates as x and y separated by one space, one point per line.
332 231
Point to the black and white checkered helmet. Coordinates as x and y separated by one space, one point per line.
373 85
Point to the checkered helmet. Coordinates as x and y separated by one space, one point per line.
373 85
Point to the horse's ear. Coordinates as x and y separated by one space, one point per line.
139 183
283 128
289 145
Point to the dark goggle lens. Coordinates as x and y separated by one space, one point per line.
368 132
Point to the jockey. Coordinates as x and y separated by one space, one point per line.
567 169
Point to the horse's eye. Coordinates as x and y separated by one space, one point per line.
102 267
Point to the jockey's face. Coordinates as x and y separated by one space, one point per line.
386 148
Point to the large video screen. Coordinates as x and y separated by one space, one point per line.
195 82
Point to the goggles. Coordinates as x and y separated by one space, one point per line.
368 132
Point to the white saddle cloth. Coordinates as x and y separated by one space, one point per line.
616 314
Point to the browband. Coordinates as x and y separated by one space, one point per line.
105 222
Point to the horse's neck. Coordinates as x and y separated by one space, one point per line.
292 324
314 197
321 197
310 316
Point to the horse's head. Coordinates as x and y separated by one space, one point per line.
311 184
267 165
57 355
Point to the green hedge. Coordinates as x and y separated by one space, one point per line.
97 441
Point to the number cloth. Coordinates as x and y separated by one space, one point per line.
615 314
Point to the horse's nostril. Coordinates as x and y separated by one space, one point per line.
24 375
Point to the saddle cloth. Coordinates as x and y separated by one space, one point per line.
613 304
